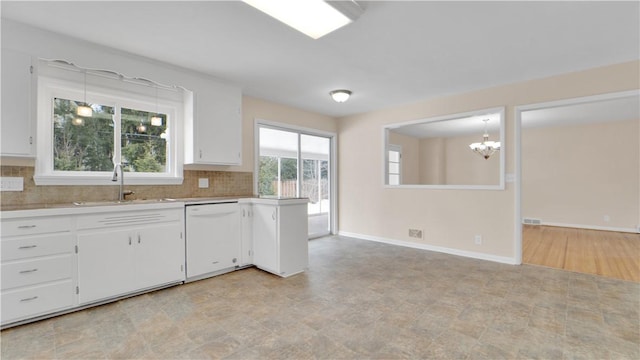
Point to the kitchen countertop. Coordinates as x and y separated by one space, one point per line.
9 211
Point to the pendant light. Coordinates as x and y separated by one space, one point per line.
486 148
156 120
84 109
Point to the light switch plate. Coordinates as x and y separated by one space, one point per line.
8 183
203 183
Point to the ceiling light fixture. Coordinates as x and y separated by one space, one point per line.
486 148
314 18
84 109
340 95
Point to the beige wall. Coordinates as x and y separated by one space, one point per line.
433 159
450 218
410 162
445 161
449 161
581 173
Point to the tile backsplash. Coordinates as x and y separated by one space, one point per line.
221 183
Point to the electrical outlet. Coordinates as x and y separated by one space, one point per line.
203 183
11 183
415 233
478 239
606 218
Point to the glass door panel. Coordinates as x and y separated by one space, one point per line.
315 154
278 167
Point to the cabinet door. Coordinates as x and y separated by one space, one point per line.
105 264
265 241
159 255
15 120
218 125
213 238
246 257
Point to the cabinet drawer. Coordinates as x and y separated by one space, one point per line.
30 272
30 226
36 300
38 245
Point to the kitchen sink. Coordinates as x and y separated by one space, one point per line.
123 202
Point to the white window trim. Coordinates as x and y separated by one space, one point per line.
50 88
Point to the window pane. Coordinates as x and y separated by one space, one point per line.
288 177
82 143
394 179
394 168
268 177
394 156
143 141
278 168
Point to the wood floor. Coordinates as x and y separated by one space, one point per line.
606 253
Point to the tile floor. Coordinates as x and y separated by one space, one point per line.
358 300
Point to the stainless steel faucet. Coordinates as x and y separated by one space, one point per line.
115 178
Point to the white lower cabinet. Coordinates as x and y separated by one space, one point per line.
55 263
38 267
128 253
246 225
280 239
213 238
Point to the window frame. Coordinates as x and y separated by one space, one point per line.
50 88
397 149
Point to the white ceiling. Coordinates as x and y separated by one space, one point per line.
601 111
397 52
621 109
452 127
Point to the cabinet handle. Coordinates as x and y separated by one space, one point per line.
28 271
129 239
27 247
29 299
273 216
242 212
138 238
200 153
26 226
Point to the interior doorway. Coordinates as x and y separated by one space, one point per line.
296 162
578 184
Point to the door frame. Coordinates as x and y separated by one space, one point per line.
333 167
518 151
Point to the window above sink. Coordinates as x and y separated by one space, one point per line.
132 122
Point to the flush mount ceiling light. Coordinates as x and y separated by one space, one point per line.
340 95
486 148
314 18
84 109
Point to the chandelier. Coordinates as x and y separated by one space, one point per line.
486 148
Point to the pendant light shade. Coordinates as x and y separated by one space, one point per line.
85 110
340 95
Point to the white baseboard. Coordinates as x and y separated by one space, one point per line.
592 227
469 254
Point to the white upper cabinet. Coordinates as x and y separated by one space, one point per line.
16 122
213 135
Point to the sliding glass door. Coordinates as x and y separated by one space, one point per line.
293 163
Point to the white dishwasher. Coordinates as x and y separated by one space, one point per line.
213 238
